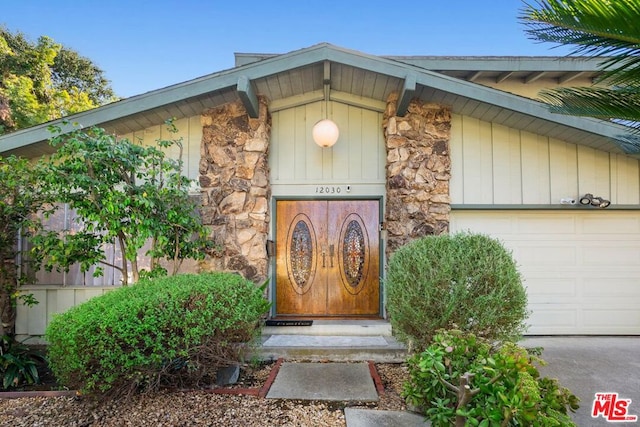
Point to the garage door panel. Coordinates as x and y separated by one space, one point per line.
534 224
607 255
546 255
596 317
544 319
500 224
620 288
581 267
540 288
606 225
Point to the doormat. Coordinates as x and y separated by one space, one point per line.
289 322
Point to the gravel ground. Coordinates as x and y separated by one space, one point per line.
196 408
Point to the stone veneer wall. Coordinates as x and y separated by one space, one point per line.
418 171
234 178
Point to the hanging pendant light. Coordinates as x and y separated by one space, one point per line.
325 132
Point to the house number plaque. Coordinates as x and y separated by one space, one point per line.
328 189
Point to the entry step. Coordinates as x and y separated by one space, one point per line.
361 328
383 349
324 341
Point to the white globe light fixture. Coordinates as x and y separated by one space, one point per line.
325 133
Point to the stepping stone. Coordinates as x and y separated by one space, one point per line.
373 418
324 381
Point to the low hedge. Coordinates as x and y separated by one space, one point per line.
175 330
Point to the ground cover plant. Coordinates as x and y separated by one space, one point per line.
463 281
169 331
19 363
464 380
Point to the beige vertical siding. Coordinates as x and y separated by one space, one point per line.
496 165
296 162
189 132
33 321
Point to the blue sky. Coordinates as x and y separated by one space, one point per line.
145 45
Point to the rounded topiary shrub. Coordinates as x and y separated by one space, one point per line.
167 331
464 281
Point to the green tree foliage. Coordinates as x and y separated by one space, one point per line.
21 195
171 331
126 194
605 28
42 81
75 73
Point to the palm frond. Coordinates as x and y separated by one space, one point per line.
595 27
619 104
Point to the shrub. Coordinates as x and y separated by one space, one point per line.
461 281
462 380
167 331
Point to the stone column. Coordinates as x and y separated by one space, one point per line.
418 171
234 177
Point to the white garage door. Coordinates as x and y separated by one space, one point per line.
581 268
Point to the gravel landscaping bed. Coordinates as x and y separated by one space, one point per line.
200 407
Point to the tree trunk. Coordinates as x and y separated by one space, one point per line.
5 114
464 396
125 269
8 288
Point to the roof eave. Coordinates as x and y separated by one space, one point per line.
304 57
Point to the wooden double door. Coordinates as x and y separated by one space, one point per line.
327 254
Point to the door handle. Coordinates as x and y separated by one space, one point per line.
331 254
324 257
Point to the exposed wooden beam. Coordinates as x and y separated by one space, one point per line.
533 77
326 77
408 91
503 76
248 97
569 76
475 76
296 100
358 101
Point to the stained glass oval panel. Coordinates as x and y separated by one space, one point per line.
353 253
301 254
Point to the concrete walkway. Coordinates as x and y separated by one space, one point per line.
324 381
350 346
372 418
339 382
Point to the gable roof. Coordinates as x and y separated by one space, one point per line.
521 69
298 77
